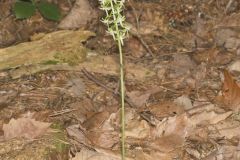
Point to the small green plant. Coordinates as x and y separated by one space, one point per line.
26 8
115 22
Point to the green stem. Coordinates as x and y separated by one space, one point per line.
121 85
33 2
122 98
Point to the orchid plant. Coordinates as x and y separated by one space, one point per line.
117 27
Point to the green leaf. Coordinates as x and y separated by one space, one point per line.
49 11
23 9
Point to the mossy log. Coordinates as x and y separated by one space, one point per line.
62 50
57 47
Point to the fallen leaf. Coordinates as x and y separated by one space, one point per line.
227 129
75 133
137 129
24 127
231 92
228 152
153 155
99 154
138 99
99 130
166 109
209 117
116 154
168 143
96 121
86 154
80 15
103 138
168 126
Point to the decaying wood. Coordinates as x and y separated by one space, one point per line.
62 50
61 46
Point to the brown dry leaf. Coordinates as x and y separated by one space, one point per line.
168 143
227 152
168 126
86 154
96 121
182 125
166 137
81 14
227 128
24 127
103 138
100 131
138 99
75 133
112 153
209 117
137 129
231 92
153 155
166 109
84 109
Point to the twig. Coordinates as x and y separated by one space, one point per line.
229 6
171 90
98 82
62 112
136 34
135 14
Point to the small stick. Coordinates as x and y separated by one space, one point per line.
92 78
62 112
229 5
137 35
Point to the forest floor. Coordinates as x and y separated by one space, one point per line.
182 72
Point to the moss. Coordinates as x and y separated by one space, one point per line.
72 56
50 62
57 126
59 143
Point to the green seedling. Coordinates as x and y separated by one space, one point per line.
26 8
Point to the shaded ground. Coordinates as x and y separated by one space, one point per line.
181 84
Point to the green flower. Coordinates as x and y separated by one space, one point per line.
114 19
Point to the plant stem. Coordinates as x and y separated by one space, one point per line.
121 86
122 98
